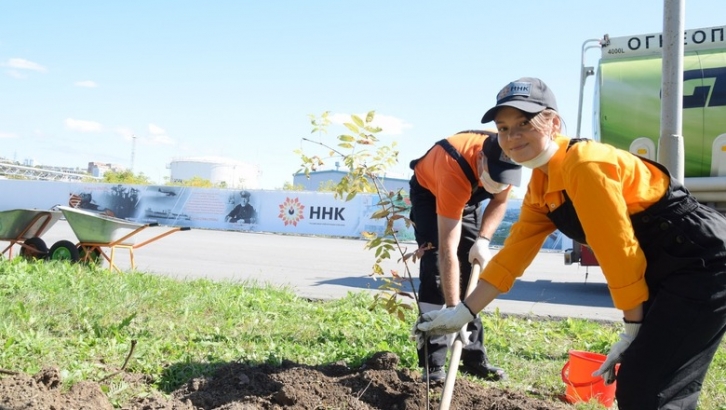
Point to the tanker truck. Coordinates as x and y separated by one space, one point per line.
627 108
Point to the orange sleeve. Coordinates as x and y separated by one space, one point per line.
521 246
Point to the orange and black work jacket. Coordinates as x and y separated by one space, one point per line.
439 172
606 186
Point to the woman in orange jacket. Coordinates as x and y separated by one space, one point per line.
663 254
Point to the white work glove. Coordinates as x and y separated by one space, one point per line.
442 322
462 334
480 251
419 336
607 370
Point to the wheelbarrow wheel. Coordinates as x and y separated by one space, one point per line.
34 248
63 251
92 258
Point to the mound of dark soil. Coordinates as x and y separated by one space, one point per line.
237 386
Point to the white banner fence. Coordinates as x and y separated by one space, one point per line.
288 212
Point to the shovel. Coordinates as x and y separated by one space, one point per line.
457 345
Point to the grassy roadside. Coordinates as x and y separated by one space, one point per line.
83 320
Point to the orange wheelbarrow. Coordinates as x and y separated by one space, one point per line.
24 227
100 235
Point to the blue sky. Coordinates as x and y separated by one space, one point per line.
238 79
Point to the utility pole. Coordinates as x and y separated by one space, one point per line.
670 143
133 151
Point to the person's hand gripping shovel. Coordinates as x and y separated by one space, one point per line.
461 339
450 321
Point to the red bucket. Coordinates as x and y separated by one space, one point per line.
582 386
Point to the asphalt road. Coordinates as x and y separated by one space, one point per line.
325 268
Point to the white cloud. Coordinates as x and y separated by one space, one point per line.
86 84
22 64
16 74
160 140
126 133
338 118
155 136
158 136
82 126
156 130
388 124
7 135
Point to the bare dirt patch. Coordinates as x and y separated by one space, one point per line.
378 384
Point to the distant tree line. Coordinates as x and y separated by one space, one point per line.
128 177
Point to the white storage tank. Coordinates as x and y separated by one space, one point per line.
234 174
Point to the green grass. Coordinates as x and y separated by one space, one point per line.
83 320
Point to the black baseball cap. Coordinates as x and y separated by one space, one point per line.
501 168
527 94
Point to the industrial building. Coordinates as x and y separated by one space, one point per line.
218 170
97 169
320 179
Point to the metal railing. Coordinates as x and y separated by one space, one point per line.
12 170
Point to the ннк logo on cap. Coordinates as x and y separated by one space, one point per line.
515 88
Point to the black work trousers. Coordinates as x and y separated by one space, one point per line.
423 215
685 316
